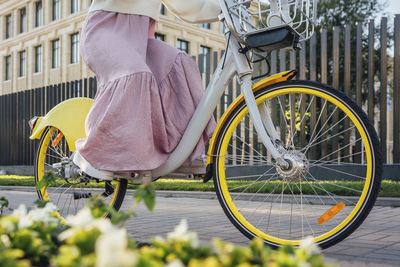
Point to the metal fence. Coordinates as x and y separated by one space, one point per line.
348 58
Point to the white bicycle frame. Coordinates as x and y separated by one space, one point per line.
235 63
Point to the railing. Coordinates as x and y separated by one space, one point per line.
369 75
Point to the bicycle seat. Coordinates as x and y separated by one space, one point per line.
268 39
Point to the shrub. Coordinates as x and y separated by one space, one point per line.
38 237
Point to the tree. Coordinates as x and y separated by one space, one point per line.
341 12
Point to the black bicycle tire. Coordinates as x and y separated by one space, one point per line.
123 183
373 140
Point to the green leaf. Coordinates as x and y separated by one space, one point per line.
48 179
41 203
146 193
97 206
40 184
118 217
3 202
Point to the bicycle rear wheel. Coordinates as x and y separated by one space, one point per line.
333 177
70 194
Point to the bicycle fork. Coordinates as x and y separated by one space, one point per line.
259 114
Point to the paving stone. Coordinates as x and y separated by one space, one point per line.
375 243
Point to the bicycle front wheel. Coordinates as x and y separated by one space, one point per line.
70 194
334 169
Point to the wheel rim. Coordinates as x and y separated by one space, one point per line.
261 220
52 148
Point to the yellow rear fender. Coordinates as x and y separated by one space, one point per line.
69 117
276 78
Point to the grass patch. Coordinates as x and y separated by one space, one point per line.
388 188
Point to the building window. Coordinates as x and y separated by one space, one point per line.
55 46
8 68
182 45
8 26
56 9
75 48
22 63
204 50
206 25
75 6
22 20
38 58
159 36
39 14
162 10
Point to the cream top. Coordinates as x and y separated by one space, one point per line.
192 11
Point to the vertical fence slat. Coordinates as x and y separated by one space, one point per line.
215 64
324 79
359 76
383 89
335 83
85 88
9 128
80 88
208 69
239 143
396 92
33 113
2 135
313 77
222 101
14 110
22 110
282 99
274 110
2 129
302 76
229 99
18 124
347 75
293 56
371 51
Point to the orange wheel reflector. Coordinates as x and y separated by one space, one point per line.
57 139
331 213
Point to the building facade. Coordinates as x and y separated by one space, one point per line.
39 41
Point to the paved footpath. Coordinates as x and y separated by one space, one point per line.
375 243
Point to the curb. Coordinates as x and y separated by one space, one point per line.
381 201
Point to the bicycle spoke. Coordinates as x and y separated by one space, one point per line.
326 174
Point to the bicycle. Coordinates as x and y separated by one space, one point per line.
285 181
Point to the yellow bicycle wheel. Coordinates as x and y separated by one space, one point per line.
70 194
333 174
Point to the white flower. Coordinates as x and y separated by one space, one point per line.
111 250
5 240
81 219
180 230
8 225
309 244
20 211
44 215
181 233
175 263
84 220
25 222
27 219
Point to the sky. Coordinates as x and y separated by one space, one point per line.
393 6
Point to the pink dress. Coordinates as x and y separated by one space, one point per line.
147 94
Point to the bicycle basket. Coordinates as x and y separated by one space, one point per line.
294 19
